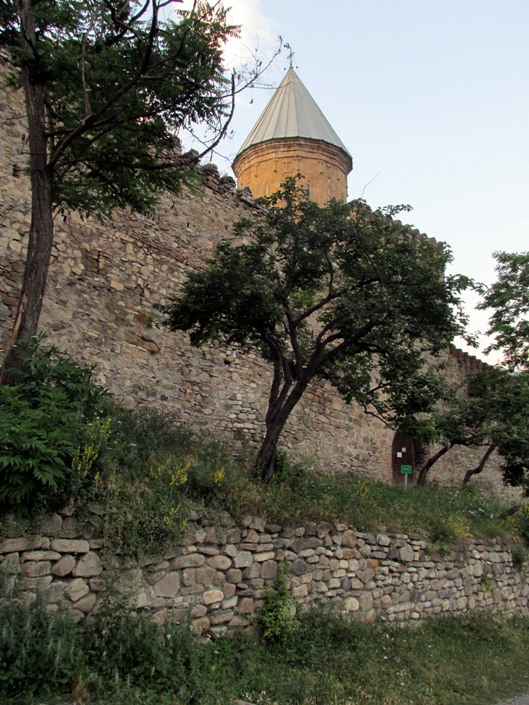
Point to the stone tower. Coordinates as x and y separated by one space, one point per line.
293 135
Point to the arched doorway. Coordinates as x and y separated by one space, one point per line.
403 453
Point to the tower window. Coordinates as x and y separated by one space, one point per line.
309 189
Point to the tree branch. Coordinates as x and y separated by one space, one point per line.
475 471
421 477
91 119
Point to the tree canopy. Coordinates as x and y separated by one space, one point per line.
117 83
509 299
505 394
343 293
108 85
489 412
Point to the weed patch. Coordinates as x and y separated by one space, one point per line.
39 649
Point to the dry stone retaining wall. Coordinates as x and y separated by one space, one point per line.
218 576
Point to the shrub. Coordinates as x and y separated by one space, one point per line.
276 620
147 513
39 650
520 521
148 473
134 652
43 418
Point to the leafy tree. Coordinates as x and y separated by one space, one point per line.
44 418
342 293
501 398
490 413
494 415
509 297
108 84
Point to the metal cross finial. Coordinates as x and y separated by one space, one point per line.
290 54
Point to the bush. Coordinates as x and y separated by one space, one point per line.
134 652
39 650
148 513
148 473
519 520
276 620
43 418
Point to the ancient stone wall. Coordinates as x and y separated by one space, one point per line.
217 578
104 282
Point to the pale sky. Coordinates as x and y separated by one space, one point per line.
430 98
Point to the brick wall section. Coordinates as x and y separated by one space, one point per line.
218 576
104 282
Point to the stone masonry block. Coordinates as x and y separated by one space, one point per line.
70 545
168 586
212 596
76 590
88 566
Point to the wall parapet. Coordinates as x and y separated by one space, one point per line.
218 575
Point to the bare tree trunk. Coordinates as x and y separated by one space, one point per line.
475 471
266 459
421 477
41 228
276 419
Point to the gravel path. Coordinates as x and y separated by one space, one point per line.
521 700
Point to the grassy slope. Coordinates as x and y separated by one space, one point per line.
147 469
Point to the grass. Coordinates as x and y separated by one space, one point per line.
445 662
475 660
151 472
147 475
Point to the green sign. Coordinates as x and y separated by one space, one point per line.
406 469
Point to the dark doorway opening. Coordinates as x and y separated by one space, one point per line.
403 453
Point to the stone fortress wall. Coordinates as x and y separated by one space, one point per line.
104 282
218 576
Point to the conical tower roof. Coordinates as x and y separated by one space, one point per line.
292 112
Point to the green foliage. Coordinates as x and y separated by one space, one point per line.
37 444
300 492
507 399
343 292
108 87
136 653
497 413
489 412
146 472
43 419
503 398
39 649
147 475
46 366
137 436
446 661
520 521
305 493
276 620
119 83
508 297
146 514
